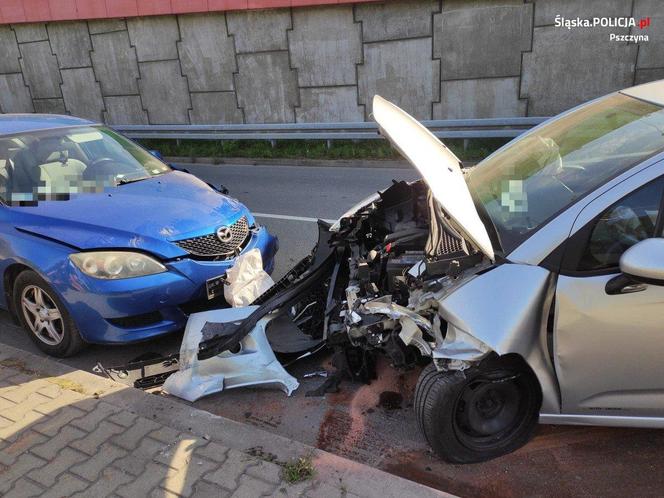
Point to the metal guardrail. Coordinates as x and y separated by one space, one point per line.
449 128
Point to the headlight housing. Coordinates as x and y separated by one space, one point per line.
115 265
363 203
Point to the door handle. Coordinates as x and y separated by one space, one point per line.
622 284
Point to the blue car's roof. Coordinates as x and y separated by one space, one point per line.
21 123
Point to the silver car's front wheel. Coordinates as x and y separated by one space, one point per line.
42 315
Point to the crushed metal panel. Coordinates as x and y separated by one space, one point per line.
253 365
505 309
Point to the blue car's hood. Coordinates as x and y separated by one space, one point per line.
145 215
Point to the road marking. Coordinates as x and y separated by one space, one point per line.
290 218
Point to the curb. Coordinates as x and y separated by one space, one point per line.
181 416
315 163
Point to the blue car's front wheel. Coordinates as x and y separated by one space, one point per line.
44 317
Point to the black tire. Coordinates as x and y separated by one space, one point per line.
481 413
61 338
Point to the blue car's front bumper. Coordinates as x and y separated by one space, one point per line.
136 309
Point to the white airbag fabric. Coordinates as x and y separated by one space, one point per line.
246 280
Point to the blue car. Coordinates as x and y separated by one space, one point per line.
102 242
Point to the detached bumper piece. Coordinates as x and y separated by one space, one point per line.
145 372
252 364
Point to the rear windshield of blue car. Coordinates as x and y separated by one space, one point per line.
53 164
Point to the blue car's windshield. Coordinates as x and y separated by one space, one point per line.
52 164
543 172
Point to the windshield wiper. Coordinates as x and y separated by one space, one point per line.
125 181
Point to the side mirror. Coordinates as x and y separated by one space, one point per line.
644 262
156 154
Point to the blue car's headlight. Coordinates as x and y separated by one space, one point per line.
112 265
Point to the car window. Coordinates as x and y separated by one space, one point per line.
524 185
622 225
52 164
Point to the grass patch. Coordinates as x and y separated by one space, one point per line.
307 149
298 470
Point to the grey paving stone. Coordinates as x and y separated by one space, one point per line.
91 443
63 461
54 445
106 455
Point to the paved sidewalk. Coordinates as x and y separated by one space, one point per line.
65 432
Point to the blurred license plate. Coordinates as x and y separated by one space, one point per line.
215 286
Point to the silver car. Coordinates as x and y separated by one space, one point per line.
531 286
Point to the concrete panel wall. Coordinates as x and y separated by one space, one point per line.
498 34
402 71
206 53
266 87
81 93
396 19
114 61
436 58
71 42
553 81
10 54
325 44
40 69
154 37
336 104
14 95
259 30
164 92
479 98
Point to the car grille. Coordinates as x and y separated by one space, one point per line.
211 246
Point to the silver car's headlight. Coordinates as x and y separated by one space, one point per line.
113 265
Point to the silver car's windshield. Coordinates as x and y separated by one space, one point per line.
52 164
541 173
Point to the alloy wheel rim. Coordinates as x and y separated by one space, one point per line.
42 315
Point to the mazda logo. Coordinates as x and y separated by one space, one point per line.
224 234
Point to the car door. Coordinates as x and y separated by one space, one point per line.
609 344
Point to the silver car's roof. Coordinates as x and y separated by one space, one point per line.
650 92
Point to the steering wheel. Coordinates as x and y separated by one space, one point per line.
99 161
96 168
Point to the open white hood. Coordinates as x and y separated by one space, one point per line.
439 167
